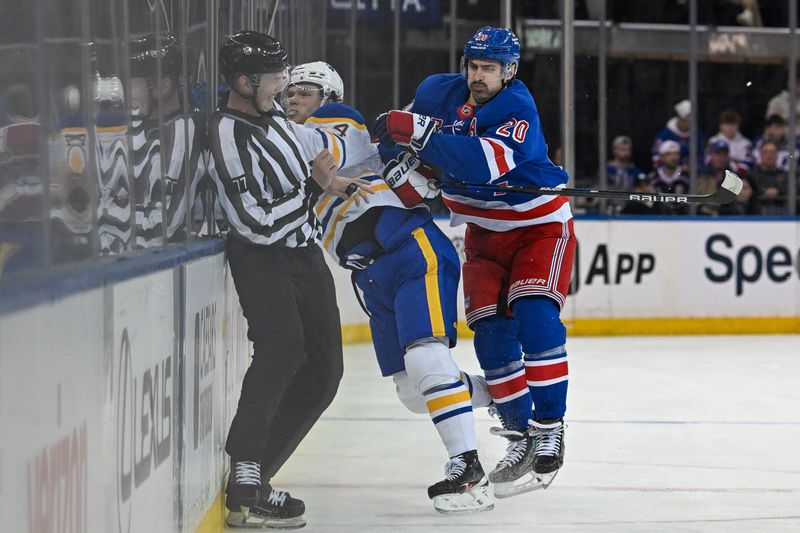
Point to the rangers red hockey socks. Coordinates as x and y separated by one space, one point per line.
547 375
509 390
543 338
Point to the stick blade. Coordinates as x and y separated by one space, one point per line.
729 189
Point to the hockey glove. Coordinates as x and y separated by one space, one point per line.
410 179
410 129
379 133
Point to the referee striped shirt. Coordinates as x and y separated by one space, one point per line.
262 179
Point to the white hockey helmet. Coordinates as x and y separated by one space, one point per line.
321 74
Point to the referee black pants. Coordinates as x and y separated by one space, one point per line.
289 301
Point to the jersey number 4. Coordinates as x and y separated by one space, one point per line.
517 129
342 129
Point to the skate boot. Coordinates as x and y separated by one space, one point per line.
274 509
464 489
242 490
277 509
548 454
514 473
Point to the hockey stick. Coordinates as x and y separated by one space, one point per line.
727 192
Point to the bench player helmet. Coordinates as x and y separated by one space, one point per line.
493 44
323 75
146 51
251 53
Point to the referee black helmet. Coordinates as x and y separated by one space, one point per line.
147 50
251 52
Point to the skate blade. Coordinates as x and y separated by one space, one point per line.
547 479
236 520
476 500
527 483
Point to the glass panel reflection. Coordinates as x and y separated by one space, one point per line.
22 169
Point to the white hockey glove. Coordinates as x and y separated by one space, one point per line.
410 179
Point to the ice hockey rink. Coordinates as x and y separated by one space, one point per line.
664 434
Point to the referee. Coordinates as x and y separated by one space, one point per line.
268 190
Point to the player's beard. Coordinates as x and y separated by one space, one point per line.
480 92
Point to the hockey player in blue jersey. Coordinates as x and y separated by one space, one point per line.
408 271
481 127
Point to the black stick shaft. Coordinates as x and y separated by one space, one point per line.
725 194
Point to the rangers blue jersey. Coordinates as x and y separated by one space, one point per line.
500 142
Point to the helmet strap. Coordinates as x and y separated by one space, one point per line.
254 82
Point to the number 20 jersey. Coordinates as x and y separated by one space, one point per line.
501 143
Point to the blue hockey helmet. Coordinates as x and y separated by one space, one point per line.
492 44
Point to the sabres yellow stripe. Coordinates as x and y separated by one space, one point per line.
343 209
431 283
444 401
318 120
320 207
112 129
337 152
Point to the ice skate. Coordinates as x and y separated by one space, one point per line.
465 488
275 509
242 489
514 473
548 455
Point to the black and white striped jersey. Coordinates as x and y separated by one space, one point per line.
262 178
164 149
182 135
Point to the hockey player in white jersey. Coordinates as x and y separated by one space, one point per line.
408 271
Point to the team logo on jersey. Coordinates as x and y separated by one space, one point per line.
465 111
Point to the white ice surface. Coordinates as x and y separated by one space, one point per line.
664 434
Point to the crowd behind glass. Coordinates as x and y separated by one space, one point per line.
101 156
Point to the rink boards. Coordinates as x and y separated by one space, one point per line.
658 277
116 390
117 384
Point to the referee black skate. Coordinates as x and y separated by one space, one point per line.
267 190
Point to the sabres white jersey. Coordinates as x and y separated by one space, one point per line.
344 131
340 129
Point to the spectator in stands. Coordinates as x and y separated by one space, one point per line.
622 172
718 160
677 130
771 183
775 132
670 177
740 147
779 104
641 184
